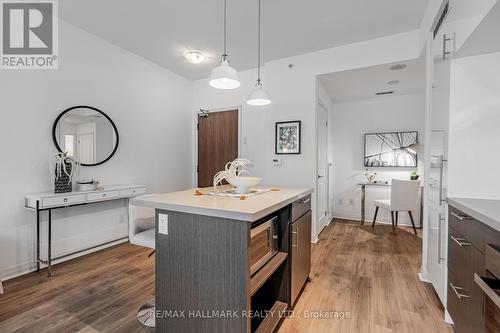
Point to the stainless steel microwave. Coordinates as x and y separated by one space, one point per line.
263 243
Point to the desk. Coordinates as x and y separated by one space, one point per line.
48 201
363 199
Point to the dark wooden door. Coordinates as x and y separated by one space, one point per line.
217 143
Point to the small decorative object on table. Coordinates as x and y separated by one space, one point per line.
288 135
370 177
414 175
63 168
86 185
233 175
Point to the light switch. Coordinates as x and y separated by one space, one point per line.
163 224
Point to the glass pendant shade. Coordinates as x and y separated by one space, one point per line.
258 96
224 76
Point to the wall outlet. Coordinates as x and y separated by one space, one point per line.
163 224
245 140
341 201
277 161
123 219
351 202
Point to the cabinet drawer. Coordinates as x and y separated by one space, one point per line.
300 207
132 191
465 299
102 195
479 234
63 200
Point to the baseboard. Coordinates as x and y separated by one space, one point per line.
28 267
447 317
369 219
424 276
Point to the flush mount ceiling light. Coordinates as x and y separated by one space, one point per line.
393 82
194 56
224 76
397 67
258 96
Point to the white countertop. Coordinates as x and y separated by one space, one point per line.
483 210
252 208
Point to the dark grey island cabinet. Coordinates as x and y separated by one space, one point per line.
207 277
473 268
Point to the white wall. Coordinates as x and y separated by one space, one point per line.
474 144
151 108
349 121
293 92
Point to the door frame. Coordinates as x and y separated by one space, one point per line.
316 231
196 113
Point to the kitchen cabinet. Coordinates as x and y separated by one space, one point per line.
468 239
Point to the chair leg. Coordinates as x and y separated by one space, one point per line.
412 222
375 217
396 218
393 226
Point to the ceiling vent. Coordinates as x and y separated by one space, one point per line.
440 21
385 93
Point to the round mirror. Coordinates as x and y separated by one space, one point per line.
85 133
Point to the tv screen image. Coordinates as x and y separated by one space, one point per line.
391 149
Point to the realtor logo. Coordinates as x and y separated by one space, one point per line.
29 34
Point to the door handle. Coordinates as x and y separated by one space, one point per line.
319 176
439 238
460 241
296 246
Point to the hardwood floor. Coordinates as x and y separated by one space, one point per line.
372 274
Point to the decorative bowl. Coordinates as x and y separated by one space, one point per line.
243 184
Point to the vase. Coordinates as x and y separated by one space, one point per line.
63 183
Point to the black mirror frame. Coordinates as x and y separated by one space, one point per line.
54 126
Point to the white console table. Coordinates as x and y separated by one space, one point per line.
48 201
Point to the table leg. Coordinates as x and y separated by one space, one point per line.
37 236
363 193
49 247
421 219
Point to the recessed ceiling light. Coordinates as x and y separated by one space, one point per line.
194 56
393 82
397 67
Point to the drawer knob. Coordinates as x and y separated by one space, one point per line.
306 200
104 195
133 191
65 200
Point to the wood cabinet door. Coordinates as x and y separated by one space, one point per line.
217 143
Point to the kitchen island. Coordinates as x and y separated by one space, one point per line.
229 264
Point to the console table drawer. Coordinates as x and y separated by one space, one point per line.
63 200
132 191
102 195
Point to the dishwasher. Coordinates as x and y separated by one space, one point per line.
300 245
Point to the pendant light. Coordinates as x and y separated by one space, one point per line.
224 76
258 96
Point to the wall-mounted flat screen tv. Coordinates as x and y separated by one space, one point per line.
390 150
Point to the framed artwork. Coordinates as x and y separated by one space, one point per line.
391 150
288 137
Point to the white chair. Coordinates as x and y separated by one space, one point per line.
142 233
404 197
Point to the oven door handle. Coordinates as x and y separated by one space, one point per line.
485 285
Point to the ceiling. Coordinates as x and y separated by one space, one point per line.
160 30
365 82
484 39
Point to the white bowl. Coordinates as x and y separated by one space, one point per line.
243 184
